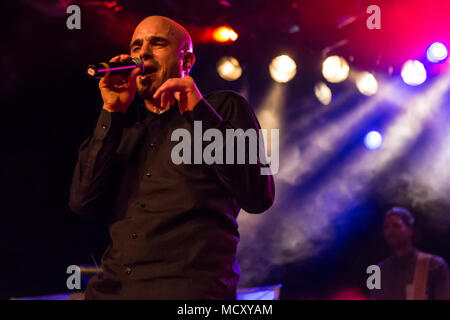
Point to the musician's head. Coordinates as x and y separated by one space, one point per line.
398 227
165 45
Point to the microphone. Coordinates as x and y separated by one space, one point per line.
101 69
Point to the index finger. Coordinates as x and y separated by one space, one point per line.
170 84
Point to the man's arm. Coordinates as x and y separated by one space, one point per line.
98 170
254 191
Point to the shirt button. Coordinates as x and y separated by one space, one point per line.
104 126
152 145
128 270
148 174
134 235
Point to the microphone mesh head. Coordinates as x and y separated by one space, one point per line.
138 61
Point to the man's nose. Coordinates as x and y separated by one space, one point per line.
145 53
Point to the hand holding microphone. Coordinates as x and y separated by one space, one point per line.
118 84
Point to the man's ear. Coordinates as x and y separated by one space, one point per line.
188 61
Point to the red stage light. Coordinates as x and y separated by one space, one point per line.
110 4
224 34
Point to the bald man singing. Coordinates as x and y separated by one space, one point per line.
173 226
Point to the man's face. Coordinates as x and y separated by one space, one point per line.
396 232
156 43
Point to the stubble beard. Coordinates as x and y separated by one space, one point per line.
146 91
147 88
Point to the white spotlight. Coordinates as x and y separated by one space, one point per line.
323 93
366 83
437 52
229 69
335 69
373 140
414 73
282 69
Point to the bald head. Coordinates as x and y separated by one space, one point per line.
171 28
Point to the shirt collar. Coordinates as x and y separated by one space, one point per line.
148 115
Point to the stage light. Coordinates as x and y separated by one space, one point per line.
373 140
323 93
224 34
229 69
282 68
414 73
366 83
110 4
437 52
335 69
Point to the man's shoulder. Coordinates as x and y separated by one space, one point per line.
232 106
437 262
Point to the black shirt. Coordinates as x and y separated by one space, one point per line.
173 227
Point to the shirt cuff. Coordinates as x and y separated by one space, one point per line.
109 123
206 114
